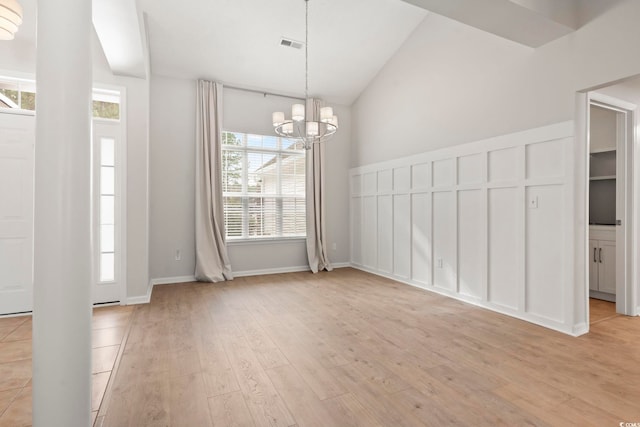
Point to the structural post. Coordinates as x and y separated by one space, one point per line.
62 234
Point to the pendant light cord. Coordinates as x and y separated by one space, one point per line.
306 50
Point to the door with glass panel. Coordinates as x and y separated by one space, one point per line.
17 139
107 208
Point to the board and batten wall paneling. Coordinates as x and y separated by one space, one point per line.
487 222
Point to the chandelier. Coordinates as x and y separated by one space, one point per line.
302 127
10 18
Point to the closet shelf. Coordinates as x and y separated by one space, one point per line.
602 178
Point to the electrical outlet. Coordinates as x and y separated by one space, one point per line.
334 246
439 263
178 255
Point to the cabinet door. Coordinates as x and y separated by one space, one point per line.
593 265
607 266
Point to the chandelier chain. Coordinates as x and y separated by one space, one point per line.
306 49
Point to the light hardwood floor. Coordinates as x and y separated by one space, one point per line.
110 325
337 349
351 349
600 310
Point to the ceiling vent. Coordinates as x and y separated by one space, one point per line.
291 43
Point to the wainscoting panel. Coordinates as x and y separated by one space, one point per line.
545 258
504 260
369 232
472 248
385 234
421 238
486 222
402 235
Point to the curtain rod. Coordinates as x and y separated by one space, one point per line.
262 92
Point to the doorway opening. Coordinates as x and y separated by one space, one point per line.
610 140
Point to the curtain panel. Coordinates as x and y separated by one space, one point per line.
212 260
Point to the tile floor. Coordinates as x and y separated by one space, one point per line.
109 327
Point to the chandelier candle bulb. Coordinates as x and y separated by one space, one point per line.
278 118
10 18
312 128
326 113
297 112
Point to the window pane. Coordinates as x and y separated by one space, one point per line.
107 180
230 138
106 110
9 95
107 238
270 142
262 169
107 210
107 152
293 217
107 267
254 141
262 217
233 216
232 171
28 101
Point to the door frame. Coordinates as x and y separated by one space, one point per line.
626 245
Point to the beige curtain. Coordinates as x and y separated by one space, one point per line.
212 261
316 234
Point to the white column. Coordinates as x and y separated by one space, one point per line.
62 234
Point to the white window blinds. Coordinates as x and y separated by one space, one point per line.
263 180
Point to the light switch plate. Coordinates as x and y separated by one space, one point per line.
533 202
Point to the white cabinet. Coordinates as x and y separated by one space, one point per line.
602 260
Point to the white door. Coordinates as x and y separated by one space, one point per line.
17 139
108 185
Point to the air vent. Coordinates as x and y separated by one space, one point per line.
291 43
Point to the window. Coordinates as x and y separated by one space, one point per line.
20 94
107 209
263 186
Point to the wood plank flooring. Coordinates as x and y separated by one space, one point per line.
352 349
109 327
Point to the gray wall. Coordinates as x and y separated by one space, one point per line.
451 83
172 160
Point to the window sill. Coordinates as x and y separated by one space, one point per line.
265 241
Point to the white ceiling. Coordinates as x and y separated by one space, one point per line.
237 42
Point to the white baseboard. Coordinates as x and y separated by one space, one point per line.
264 271
172 280
479 303
340 264
580 329
143 299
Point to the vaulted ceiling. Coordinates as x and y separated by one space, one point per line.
237 41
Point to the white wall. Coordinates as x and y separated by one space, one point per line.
171 176
19 60
451 84
487 222
172 181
